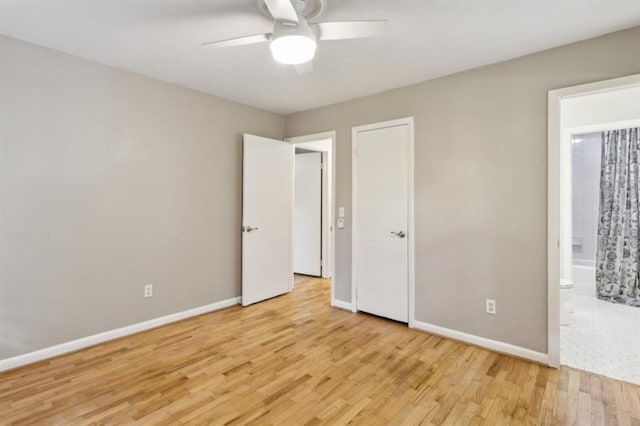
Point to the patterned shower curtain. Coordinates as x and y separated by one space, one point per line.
618 256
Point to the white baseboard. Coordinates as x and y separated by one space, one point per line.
493 345
340 304
74 345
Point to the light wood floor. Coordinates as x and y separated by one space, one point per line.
294 360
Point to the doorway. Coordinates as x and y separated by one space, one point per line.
314 202
382 203
585 331
307 216
312 214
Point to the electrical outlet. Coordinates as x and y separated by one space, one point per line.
148 290
491 306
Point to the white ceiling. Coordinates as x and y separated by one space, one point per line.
425 39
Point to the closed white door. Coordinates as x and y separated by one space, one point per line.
381 219
267 210
307 231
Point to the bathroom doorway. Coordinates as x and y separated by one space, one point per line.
595 335
586 330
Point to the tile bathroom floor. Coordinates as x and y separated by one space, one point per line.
603 338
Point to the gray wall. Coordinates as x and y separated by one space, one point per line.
110 181
480 182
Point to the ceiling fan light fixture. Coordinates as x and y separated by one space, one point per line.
293 49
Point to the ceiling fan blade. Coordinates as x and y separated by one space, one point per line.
350 29
305 68
282 10
239 41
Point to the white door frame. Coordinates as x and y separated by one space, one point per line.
410 220
332 169
554 181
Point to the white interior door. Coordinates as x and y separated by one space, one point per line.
267 209
307 231
381 219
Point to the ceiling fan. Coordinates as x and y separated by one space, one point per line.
293 40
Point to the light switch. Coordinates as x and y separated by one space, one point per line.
340 223
341 212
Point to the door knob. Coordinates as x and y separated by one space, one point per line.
249 228
400 234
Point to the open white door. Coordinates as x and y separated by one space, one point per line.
307 255
267 209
